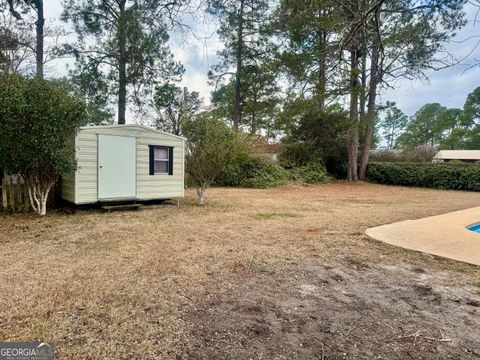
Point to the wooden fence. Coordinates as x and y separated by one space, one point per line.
14 194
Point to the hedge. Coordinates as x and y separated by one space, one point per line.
253 173
445 176
313 173
256 172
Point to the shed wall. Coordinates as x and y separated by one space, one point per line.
68 181
149 187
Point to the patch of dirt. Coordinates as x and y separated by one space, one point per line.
343 310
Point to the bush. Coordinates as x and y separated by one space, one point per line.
421 153
37 120
212 147
313 173
296 154
444 176
253 172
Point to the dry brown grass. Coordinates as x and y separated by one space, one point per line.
105 286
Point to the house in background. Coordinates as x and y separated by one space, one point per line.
466 156
123 163
264 149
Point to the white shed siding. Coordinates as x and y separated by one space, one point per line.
68 181
148 186
68 187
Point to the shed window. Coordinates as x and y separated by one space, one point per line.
161 160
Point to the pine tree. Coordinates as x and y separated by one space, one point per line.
242 29
122 46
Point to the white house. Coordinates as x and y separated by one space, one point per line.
467 156
125 162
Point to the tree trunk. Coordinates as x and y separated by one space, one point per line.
371 109
322 70
352 136
38 194
39 25
237 115
122 65
364 86
201 195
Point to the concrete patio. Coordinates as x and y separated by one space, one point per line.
442 235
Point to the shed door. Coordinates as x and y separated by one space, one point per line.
116 167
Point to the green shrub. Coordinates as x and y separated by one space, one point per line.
444 176
296 154
313 173
253 172
422 153
302 154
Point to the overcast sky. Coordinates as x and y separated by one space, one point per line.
449 87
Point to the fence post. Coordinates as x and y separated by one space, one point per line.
18 200
26 197
11 188
4 192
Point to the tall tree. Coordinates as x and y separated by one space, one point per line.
404 39
471 120
352 42
260 101
37 7
242 29
16 56
393 124
424 127
175 107
472 107
123 44
452 128
308 52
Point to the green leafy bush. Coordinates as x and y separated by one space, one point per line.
444 176
253 172
297 154
38 120
313 173
212 148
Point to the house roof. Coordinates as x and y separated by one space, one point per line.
268 148
137 126
458 155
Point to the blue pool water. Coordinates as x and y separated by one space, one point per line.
475 228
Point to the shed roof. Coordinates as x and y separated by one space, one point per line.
137 126
458 155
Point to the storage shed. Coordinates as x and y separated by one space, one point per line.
125 162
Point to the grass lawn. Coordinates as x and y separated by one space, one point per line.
283 273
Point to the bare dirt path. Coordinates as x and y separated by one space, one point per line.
340 310
263 274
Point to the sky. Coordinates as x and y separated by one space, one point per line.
449 87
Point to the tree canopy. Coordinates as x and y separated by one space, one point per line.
38 122
122 47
